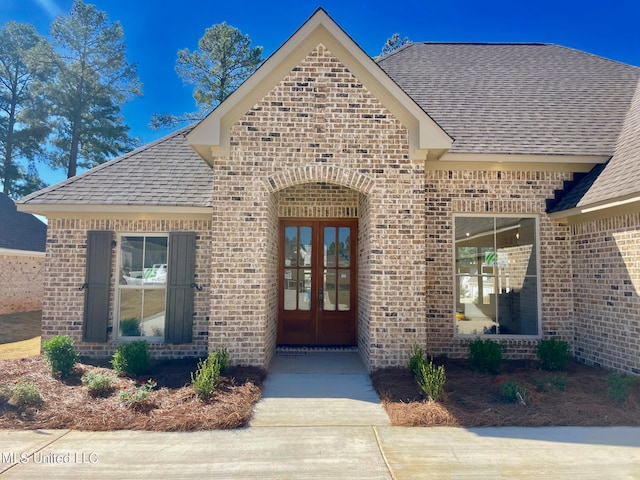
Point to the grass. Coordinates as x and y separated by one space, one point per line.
20 335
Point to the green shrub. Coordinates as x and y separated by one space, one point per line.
131 359
485 355
130 327
431 379
97 384
619 385
21 394
553 354
136 395
223 359
60 355
547 382
207 376
513 392
416 360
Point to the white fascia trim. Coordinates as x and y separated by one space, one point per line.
46 209
20 253
597 208
211 136
522 158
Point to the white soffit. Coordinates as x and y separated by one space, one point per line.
211 136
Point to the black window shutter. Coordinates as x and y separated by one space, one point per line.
180 285
97 283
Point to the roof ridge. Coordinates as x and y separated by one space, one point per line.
594 55
113 161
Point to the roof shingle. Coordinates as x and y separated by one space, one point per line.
20 231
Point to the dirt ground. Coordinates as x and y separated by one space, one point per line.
172 405
472 399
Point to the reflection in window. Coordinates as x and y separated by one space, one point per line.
142 286
496 276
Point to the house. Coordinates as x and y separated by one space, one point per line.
22 251
440 193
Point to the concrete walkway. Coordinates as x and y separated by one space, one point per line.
337 432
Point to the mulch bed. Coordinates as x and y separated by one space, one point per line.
472 399
171 406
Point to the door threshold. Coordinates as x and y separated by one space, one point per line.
303 350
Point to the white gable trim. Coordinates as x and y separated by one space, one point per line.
426 138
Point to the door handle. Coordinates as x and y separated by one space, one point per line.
320 295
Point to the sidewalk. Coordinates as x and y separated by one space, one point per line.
319 418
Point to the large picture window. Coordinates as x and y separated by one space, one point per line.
142 286
496 270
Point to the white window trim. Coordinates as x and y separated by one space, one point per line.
497 336
118 288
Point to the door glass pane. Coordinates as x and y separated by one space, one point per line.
304 291
290 289
305 247
153 310
344 250
291 246
329 246
344 290
130 312
329 290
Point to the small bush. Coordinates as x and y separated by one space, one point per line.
553 354
431 379
548 382
135 396
131 359
619 385
485 355
98 384
416 360
60 355
223 360
513 392
21 394
207 376
130 327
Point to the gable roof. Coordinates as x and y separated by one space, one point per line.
517 98
211 136
20 231
165 173
618 181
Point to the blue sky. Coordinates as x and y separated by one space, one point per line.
156 29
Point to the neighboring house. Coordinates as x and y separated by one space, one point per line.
443 192
22 250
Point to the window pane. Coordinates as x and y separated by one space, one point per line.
305 247
131 260
155 261
290 289
304 291
330 246
291 246
344 251
344 290
329 290
154 308
496 275
130 312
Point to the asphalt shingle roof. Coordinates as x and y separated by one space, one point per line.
517 98
166 172
20 231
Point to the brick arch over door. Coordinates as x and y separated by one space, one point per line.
319 173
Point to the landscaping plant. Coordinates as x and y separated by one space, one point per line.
431 379
207 375
98 384
60 355
513 392
21 394
485 355
619 385
416 360
553 354
135 396
131 359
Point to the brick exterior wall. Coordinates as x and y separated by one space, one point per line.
63 304
606 277
21 282
493 193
